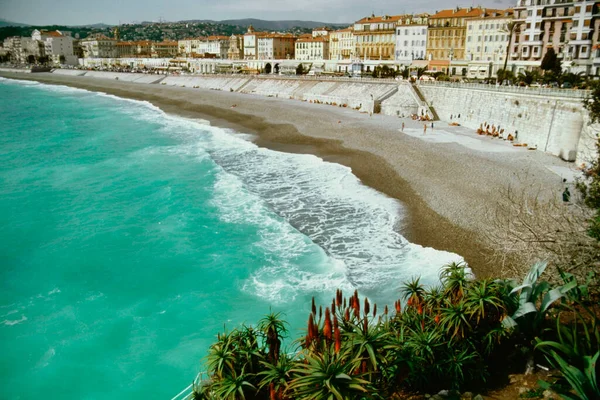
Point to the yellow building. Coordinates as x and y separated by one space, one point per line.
236 48
375 37
126 49
341 44
447 34
166 48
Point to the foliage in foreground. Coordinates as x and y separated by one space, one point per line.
453 336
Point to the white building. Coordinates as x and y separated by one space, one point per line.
99 46
341 44
251 43
59 47
310 48
214 45
580 53
411 43
486 43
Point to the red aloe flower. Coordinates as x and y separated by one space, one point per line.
311 329
327 329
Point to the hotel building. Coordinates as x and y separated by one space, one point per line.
375 37
310 48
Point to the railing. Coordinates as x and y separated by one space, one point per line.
188 392
538 91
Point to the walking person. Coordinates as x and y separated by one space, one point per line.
424 129
431 125
402 126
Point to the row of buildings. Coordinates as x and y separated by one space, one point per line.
56 46
472 41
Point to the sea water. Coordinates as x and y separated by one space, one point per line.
129 238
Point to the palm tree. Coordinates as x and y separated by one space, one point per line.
327 376
527 77
511 26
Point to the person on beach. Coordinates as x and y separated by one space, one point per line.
566 196
432 126
424 129
403 127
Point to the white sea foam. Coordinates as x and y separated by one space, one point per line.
9 322
45 360
284 194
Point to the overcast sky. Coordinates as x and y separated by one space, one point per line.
79 12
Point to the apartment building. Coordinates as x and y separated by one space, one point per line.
126 49
569 27
411 39
309 48
341 44
251 43
99 46
275 46
166 48
375 37
487 43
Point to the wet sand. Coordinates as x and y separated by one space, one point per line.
447 189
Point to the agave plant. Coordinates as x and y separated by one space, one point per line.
327 376
528 317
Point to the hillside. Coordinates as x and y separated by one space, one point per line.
4 23
276 25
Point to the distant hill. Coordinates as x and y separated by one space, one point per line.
4 22
274 25
95 26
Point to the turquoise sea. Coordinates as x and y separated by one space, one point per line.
129 238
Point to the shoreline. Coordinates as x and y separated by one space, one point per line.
435 183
